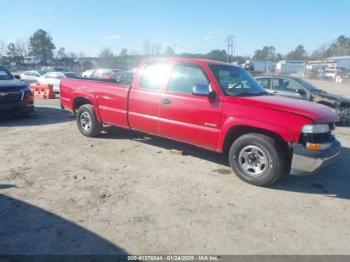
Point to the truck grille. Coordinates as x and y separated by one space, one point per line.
12 97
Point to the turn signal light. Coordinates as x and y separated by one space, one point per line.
313 147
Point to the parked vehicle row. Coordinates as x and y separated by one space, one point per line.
212 105
54 78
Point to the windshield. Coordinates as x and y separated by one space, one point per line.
309 86
5 75
235 81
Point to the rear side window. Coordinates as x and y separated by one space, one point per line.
264 82
184 77
285 85
154 76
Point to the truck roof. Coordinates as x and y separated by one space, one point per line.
187 60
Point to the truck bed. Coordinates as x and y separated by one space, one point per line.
108 97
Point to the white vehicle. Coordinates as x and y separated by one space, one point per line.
101 73
289 67
88 73
54 78
262 66
32 60
331 73
31 76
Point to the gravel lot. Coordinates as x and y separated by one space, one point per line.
124 192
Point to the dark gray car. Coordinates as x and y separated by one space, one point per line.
300 89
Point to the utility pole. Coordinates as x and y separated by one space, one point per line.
230 47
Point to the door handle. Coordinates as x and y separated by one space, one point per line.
166 101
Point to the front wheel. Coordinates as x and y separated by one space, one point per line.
87 121
258 159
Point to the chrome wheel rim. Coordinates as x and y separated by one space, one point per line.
253 161
85 121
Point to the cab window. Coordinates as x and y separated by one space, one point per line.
154 76
264 82
184 77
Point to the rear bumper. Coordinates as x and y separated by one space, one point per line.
307 162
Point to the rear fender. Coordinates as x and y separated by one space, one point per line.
93 102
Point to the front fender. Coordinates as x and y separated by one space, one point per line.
232 122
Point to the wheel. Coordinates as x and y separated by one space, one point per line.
87 121
258 159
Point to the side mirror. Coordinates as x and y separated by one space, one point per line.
204 90
17 77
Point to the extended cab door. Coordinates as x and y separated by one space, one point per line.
145 96
187 117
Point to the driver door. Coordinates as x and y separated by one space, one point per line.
187 117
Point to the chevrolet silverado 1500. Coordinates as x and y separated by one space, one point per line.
212 105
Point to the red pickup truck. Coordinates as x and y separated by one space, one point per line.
212 105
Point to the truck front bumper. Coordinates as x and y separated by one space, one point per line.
308 162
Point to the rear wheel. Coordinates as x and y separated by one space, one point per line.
87 121
258 159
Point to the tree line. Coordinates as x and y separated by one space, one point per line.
41 45
340 47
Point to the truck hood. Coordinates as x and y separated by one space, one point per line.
316 112
338 98
11 85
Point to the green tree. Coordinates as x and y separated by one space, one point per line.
266 53
218 55
106 57
297 54
61 53
12 53
41 45
124 52
340 47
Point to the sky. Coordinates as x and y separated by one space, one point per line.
196 26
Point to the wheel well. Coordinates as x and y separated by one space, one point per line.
79 101
238 131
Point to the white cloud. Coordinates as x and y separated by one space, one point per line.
214 35
111 37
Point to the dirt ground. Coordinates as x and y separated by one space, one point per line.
126 193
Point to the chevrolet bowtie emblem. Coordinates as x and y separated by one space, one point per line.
3 94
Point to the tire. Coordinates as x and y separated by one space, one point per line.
258 159
87 121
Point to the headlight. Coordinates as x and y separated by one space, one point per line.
316 129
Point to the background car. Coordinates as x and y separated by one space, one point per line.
47 69
125 77
31 76
15 96
88 73
54 78
101 73
300 89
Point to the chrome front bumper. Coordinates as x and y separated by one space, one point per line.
307 162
